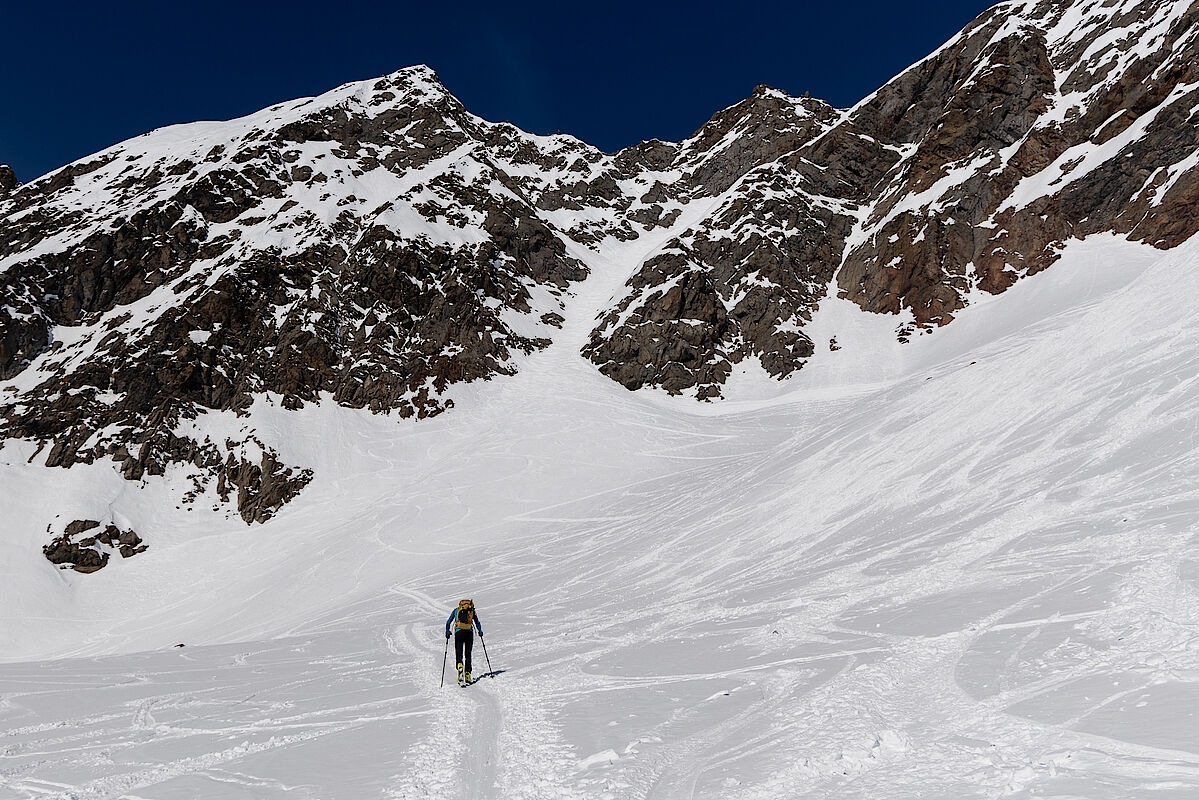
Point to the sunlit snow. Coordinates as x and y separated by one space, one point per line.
962 567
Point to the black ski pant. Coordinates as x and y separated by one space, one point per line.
464 640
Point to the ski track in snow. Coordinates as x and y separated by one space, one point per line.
534 762
431 767
239 707
491 739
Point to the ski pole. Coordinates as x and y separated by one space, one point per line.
490 671
443 657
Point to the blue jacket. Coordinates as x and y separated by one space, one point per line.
454 617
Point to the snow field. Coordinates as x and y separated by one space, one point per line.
971 575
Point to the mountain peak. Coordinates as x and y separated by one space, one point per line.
415 72
419 78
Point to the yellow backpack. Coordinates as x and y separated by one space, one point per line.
466 615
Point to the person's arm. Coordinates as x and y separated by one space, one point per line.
450 622
478 625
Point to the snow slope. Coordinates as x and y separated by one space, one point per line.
971 573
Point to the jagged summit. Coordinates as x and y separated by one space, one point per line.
378 244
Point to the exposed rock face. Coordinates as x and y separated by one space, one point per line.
1034 126
740 281
370 246
72 550
1040 122
379 244
8 179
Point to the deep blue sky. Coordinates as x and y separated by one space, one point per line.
76 77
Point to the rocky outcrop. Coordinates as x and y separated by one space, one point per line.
1039 123
259 260
261 488
8 180
741 285
90 553
1027 135
742 282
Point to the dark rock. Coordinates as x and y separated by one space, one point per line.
964 126
91 553
81 557
8 180
81 525
90 561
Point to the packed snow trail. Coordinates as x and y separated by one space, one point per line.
457 758
977 580
489 739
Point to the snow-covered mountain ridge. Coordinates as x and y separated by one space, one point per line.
964 566
379 245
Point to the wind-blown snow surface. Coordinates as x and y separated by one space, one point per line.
975 576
